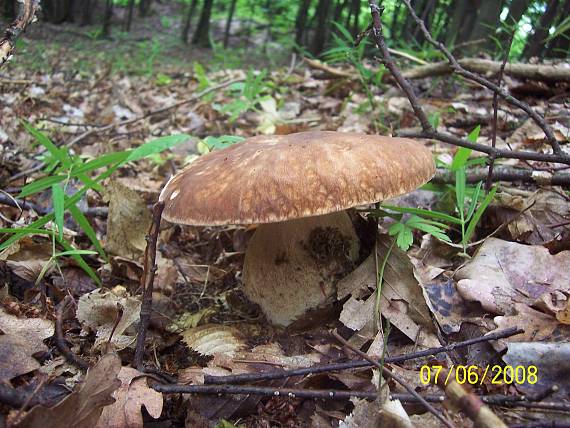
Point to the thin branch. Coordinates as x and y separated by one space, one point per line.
323 368
26 16
148 283
60 337
396 378
489 180
506 173
486 83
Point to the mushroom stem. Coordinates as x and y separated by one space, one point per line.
292 267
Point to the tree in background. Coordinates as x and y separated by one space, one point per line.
188 20
536 42
201 36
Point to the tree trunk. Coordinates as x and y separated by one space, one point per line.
229 23
10 10
106 30
394 23
56 11
144 7
355 17
427 13
322 28
188 20
405 29
131 7
516 11
301 22
340 6
440 28
88 6
488 20
536 43
202 34
463 21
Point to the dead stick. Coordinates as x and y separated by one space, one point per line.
25 17
148 283
323 368
60 337
489 180
397 378
470 403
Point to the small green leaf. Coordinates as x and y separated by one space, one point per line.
84 224
59 154
477 216
156 146
425 213
460 183
463 153
40 184
101 162
58 198
474 201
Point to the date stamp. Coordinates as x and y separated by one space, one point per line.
475 375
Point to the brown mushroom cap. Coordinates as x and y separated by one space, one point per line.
268 179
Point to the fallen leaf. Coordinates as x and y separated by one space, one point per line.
99 311
129 398
212 339
83 407
402 300
128 221
20 339
504 273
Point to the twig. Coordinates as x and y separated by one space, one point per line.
397 378
324 394
148 283
322 368
470 403
25 17
489 180
60 337
194 97
505 173
486 83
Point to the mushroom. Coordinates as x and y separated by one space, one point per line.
297 187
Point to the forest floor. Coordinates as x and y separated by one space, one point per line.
512 273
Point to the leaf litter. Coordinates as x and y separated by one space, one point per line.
519 278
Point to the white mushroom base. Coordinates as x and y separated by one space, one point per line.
293 266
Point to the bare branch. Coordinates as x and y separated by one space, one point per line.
26 16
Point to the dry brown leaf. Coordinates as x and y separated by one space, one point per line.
503 273
21 338
130 397
99 311
83 407
212 339
127 222
26 258
402 301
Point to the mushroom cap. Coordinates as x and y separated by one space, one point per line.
269 179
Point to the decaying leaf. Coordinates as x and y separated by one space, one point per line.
543 365
99 312
127 222
504 273
20 338
212 339
83 407
402 300
129 398
26 258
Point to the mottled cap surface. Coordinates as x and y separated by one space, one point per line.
267 179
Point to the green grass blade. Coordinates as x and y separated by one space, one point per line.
474 201
58 198
40 184
156 146
80 261
59 154
477 216
425 213
84 224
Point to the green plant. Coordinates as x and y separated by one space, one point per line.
469 204
61 168
246 95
